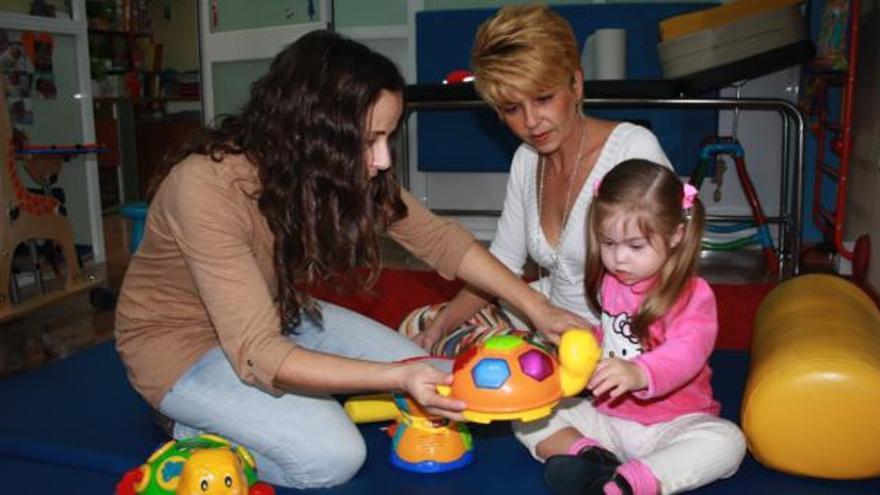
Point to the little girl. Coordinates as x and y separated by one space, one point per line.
652 425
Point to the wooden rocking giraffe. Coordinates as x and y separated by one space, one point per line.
26 216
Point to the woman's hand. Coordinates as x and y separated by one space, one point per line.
420 381
453 314
430 335
616 377
483 271
552 322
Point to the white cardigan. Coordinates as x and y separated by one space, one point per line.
519 233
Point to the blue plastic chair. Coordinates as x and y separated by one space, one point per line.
137 213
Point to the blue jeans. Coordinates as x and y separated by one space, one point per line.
298 440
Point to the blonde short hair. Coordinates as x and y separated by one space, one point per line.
527 48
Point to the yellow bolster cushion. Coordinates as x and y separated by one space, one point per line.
812 400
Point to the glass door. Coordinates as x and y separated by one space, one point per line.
51 99
239 39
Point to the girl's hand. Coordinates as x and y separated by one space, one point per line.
420 381
552 322
616 377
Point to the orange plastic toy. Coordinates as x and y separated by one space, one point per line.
508 378
421 442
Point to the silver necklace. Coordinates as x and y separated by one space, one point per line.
566 207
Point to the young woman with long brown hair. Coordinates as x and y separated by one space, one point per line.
214 321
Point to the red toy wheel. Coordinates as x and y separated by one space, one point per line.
260 488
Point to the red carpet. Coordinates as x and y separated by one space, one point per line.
397 292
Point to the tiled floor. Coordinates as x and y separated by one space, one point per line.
71 324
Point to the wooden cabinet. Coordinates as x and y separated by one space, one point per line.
117 167
158 137
136 147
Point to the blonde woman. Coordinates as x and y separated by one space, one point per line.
527 67
215 323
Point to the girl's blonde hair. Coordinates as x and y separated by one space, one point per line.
528 48
653 195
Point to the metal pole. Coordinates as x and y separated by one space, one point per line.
791 187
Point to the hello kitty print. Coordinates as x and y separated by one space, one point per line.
618 340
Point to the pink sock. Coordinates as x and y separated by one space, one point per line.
611 489
639 477
582 443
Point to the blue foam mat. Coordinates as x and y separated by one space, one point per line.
75 425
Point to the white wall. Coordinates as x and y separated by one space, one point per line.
863 203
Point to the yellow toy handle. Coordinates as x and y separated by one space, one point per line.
579 354
371 408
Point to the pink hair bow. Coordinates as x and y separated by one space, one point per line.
690 192
596 187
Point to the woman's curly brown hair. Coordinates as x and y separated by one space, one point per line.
304 129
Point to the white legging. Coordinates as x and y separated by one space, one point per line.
685 453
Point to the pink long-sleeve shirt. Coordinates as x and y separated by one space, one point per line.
677 366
